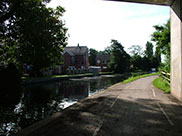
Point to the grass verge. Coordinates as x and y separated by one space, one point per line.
131 79
162 85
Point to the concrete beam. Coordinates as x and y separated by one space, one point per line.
156 2
176 49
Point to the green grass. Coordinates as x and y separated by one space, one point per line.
133 78
162 84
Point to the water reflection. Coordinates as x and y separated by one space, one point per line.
41 101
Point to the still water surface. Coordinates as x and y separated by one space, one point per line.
38 102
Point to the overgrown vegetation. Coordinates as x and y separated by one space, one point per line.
162 84
134 61
161 37
135 77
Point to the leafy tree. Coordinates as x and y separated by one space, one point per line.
150 57
119 60
92 56
135 50
149 50
157 57
161 37
142 61
34 33
108 50
136 62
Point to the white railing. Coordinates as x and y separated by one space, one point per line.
166 76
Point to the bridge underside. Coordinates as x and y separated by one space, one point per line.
157 2
176 41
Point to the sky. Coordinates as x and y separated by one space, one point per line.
93 23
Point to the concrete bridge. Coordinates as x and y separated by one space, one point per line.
176 41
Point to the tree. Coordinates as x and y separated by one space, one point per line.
136 61
119 60
135 50
149 50
161 37
92 56
107 50
153 59
157 57
37 34
142 61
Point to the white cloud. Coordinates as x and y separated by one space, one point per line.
94 23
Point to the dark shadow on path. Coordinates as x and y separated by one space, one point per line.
127 117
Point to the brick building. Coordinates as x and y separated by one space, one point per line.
75 59
102 61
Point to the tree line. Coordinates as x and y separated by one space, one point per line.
137 59
33 34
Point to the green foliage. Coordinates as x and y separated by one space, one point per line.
34 35
149 50
131 79
157 57
135 50
92 56
136 62
152 60
161 37
119 60
162 84
107 50
165 67
134 74
142 61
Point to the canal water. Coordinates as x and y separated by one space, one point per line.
38 102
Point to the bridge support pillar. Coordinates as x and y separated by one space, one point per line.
176 49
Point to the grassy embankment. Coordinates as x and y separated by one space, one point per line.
162 84
159 82
133 78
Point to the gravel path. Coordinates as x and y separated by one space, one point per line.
133 109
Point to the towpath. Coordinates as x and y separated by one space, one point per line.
133 109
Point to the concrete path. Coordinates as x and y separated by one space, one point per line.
133 109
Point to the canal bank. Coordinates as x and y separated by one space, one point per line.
40 101
31 81
131 109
